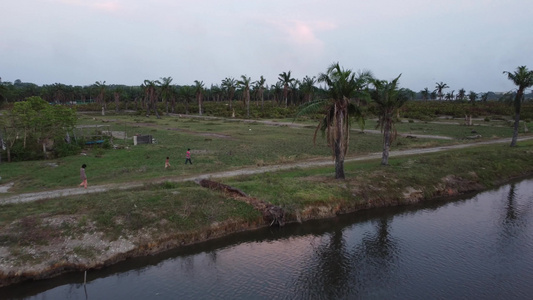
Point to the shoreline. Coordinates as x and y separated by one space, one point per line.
124 249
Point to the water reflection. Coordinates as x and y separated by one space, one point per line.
341 270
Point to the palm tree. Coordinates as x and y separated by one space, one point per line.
389 99
244 83
229 84
285 79
472 96
119 90
523 78
260 86
166 90
199 90
425 94
307 87
337 110
100 98
150 89
439 87
277 89
461 95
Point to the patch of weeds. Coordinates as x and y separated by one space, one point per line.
20 257
87 252
33 232
8 240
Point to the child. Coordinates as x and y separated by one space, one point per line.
188 156
167 164
83 177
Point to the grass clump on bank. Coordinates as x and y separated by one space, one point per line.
369 184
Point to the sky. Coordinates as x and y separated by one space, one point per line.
466 44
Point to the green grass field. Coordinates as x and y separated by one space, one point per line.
216 145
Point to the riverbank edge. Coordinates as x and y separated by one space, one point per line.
451 187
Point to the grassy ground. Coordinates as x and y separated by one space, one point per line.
155 212
216 145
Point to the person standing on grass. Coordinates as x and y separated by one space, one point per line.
167 163
83 177
188 156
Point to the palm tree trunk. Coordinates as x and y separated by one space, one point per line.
517 106
247 97
339 147
386 142
515 129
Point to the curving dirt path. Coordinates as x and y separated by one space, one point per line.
28 197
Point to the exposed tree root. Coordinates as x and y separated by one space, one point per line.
273 215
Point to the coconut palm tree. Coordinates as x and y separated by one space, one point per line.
389 98
199 92
523 79
286 79
338 110
244 84
439 87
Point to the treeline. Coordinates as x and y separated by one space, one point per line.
285 92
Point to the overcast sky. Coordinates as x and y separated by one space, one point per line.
464 43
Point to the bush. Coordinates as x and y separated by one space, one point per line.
62 149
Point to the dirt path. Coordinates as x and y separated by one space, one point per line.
292 124
28 197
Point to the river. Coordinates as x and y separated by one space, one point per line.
475 247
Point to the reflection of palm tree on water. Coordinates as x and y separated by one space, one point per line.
340 271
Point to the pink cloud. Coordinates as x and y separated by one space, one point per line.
301 32
106 6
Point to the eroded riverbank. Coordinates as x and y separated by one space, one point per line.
50 245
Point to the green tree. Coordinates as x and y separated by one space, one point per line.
389 98
523 79
286 79
41 120
439 87
337 110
